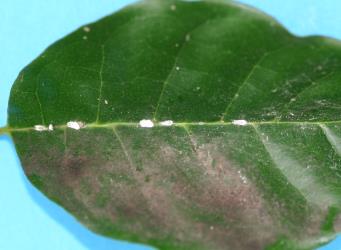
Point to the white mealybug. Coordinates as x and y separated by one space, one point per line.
75 125
167 123
146 123
40 128
239 122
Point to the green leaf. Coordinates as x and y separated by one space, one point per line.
187 125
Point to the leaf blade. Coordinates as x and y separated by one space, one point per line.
205 180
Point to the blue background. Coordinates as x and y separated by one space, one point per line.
29 221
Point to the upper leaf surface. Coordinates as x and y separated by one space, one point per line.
198 61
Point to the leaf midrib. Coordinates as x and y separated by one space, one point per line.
177 124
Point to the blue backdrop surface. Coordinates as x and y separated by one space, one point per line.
28 220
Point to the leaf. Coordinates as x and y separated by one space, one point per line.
187 125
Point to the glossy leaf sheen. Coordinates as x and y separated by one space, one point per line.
205 181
